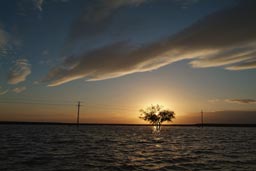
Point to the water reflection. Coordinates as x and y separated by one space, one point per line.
126 148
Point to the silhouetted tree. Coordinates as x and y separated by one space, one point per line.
156 115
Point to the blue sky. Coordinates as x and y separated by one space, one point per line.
120 56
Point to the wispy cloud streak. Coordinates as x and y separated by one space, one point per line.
39 4
241 101
225 38
2 92
19 89
95 19
19 71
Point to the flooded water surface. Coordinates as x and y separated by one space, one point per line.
99 147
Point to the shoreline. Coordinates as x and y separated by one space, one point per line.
118 124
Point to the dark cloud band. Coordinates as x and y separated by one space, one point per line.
242 101
225 38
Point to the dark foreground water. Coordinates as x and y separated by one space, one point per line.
63 147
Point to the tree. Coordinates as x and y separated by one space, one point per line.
156 115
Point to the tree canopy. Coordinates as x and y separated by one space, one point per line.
156 115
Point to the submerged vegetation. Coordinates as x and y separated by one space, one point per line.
156 115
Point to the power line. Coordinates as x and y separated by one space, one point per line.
36 103
68 104
47 102
37 99
54 102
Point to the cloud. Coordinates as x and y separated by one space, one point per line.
2 92
226 57
19 72
225 38
95 19
26 7
244 65
241 101
39 4
19 89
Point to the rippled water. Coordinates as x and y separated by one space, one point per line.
64 147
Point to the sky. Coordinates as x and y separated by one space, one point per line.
118 57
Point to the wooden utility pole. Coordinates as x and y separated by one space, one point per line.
78 112
202 118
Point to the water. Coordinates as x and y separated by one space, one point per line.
64 147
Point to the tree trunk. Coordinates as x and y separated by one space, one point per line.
158 126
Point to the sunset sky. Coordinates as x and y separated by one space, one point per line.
118 56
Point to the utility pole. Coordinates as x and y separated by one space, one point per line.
78 112
202 118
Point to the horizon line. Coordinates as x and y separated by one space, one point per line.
128 124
